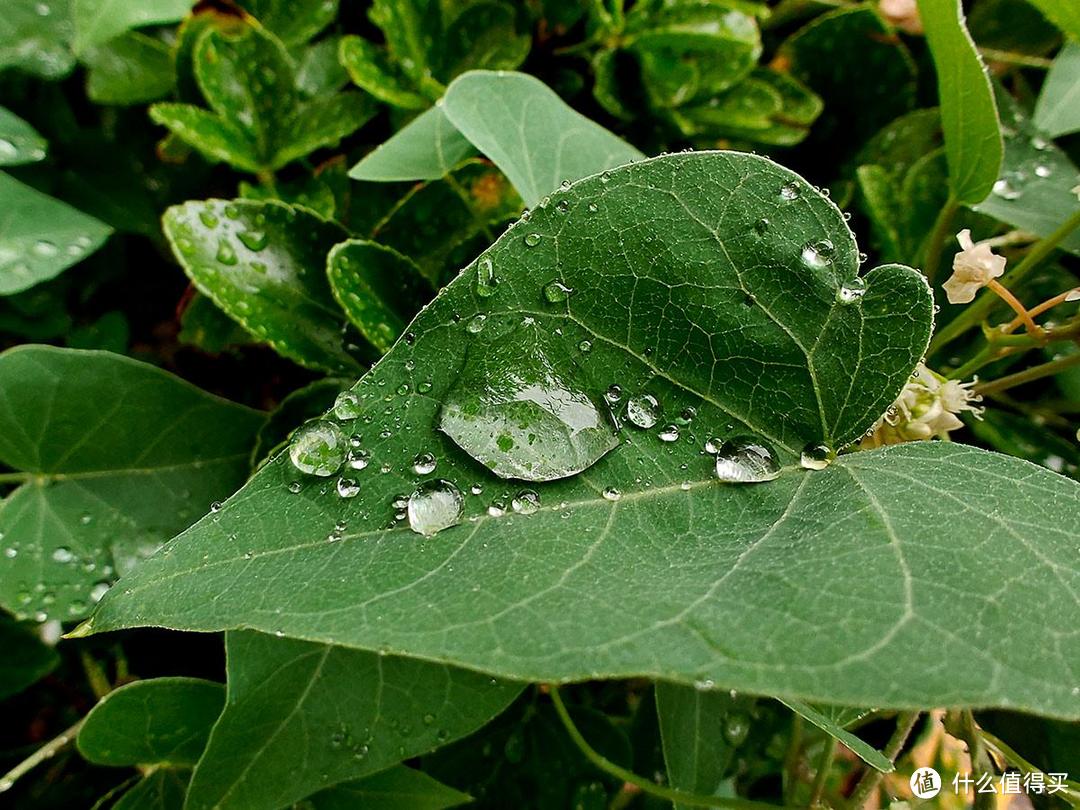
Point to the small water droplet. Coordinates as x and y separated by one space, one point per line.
476 324
358 459
215 506
816 456
1043 170
1004 189
424 464
347 488
613 394
761 227
295 487
818 254
434 506
790 190
556 292
225 253
347 406
851 291
11 553
527 502
253 240
486 281
612 494
585 346
745 460
532 239
208 218
643 410
45 249
318 448
63 554
669 433
736 729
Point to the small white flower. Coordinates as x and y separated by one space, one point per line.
928 406
903 14
974 267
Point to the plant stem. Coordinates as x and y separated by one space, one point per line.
1050 303
791 758
962 726
935 242
1028 375
981 307
823 772
47 751
1017 307
1012 58
646 785
905 722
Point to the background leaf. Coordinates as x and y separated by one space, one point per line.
1058 109
34 42
1064 15
19 143
27 659
833 721
397 788
98 21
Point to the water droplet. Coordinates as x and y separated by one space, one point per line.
562 206
295 487
585 346
669 433
11 553
97 593
818 254
790 190
434 506
476 324
45 248
527 502
613 394
253 240
318 448
8 149
215 506
745 460
593 208
63 554
612 494
347 488
347 406
532 239
736 729
556 292
486 280
424 464
225 253
761 226
208 218
497 508
643 410
1043 170
1004 189
816 456
851 291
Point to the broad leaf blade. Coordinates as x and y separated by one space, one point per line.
98 21
37 43
1058 109
397 788
214 137
370 70
319 123
354 713
529 132
162 789
19 143
425 149
968 113
40 237
163 721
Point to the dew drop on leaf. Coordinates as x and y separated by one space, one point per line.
347 488
486 281
818 254
851 291
790 190
532 239
745 460
347 406
253 240
424 464
643 410
526 502
434 506
225 253
318 448
612 494
44 248
736 729
816 456
669 433
556 292
476 324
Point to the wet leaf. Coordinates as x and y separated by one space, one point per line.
1058 109
163 789
19 143
714 325
40 237
98 21
130 456
34 42
26 658
294 22
353 713
371 70
131 69
1065 16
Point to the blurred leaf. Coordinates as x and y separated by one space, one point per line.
120 452
294 22
319 72
1024 438
326 190
397 788
1052 746
411 27
1064 15
969 115
132 69
40 237
263 263
25 661
833 720
98 21
206 327
1011 25
880 201
19 143
163 721
215 138
426 148
162 789
353 713
902 142
111 332
1058 109
379 289
37 42
370 69
483 36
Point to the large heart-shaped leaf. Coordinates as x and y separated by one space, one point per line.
720 293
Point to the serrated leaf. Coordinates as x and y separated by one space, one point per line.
369 69
121 456
321 122
354 713
263 263
19 142
410 28
1058 109
40 237
163 721
131 69
968 113
833 720
34 42
513 119
98 21
26 659
215 138
397 788
379 289
319 71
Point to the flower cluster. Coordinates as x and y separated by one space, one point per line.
927 407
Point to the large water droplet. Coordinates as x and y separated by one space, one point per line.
486 281
318 448
347 406
424 464
519 412
253 240
556 292
745 460
790 190
1005 189
816 456
434 506
818 254
526 502
643 410
347 488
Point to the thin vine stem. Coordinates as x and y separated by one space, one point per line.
646 785
905 722
47 751
822 774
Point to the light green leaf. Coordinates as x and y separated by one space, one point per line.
121 456
968 113
512 118
40 237
427 148
294 22
321 122
131 69
353 713
216 138
319 71
19 143
397 788
1058 109
880 199
379 289
36 42
163 721
26 660
98 21
1035 189
370 70
1064 15
163 789
263 263
833 721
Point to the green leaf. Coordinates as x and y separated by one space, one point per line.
397 788
98 21
121 456
216 138
968 113
26 660
263 264
321 122
427 148
512 118
370 70
353 713
1035 189
1058 109
163 789
40 237
833 720
298 406
483 36
410 28
34 42
163 721
880 200
19 143
131 69
207 328
379 289
294 22
319 71
1065 16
